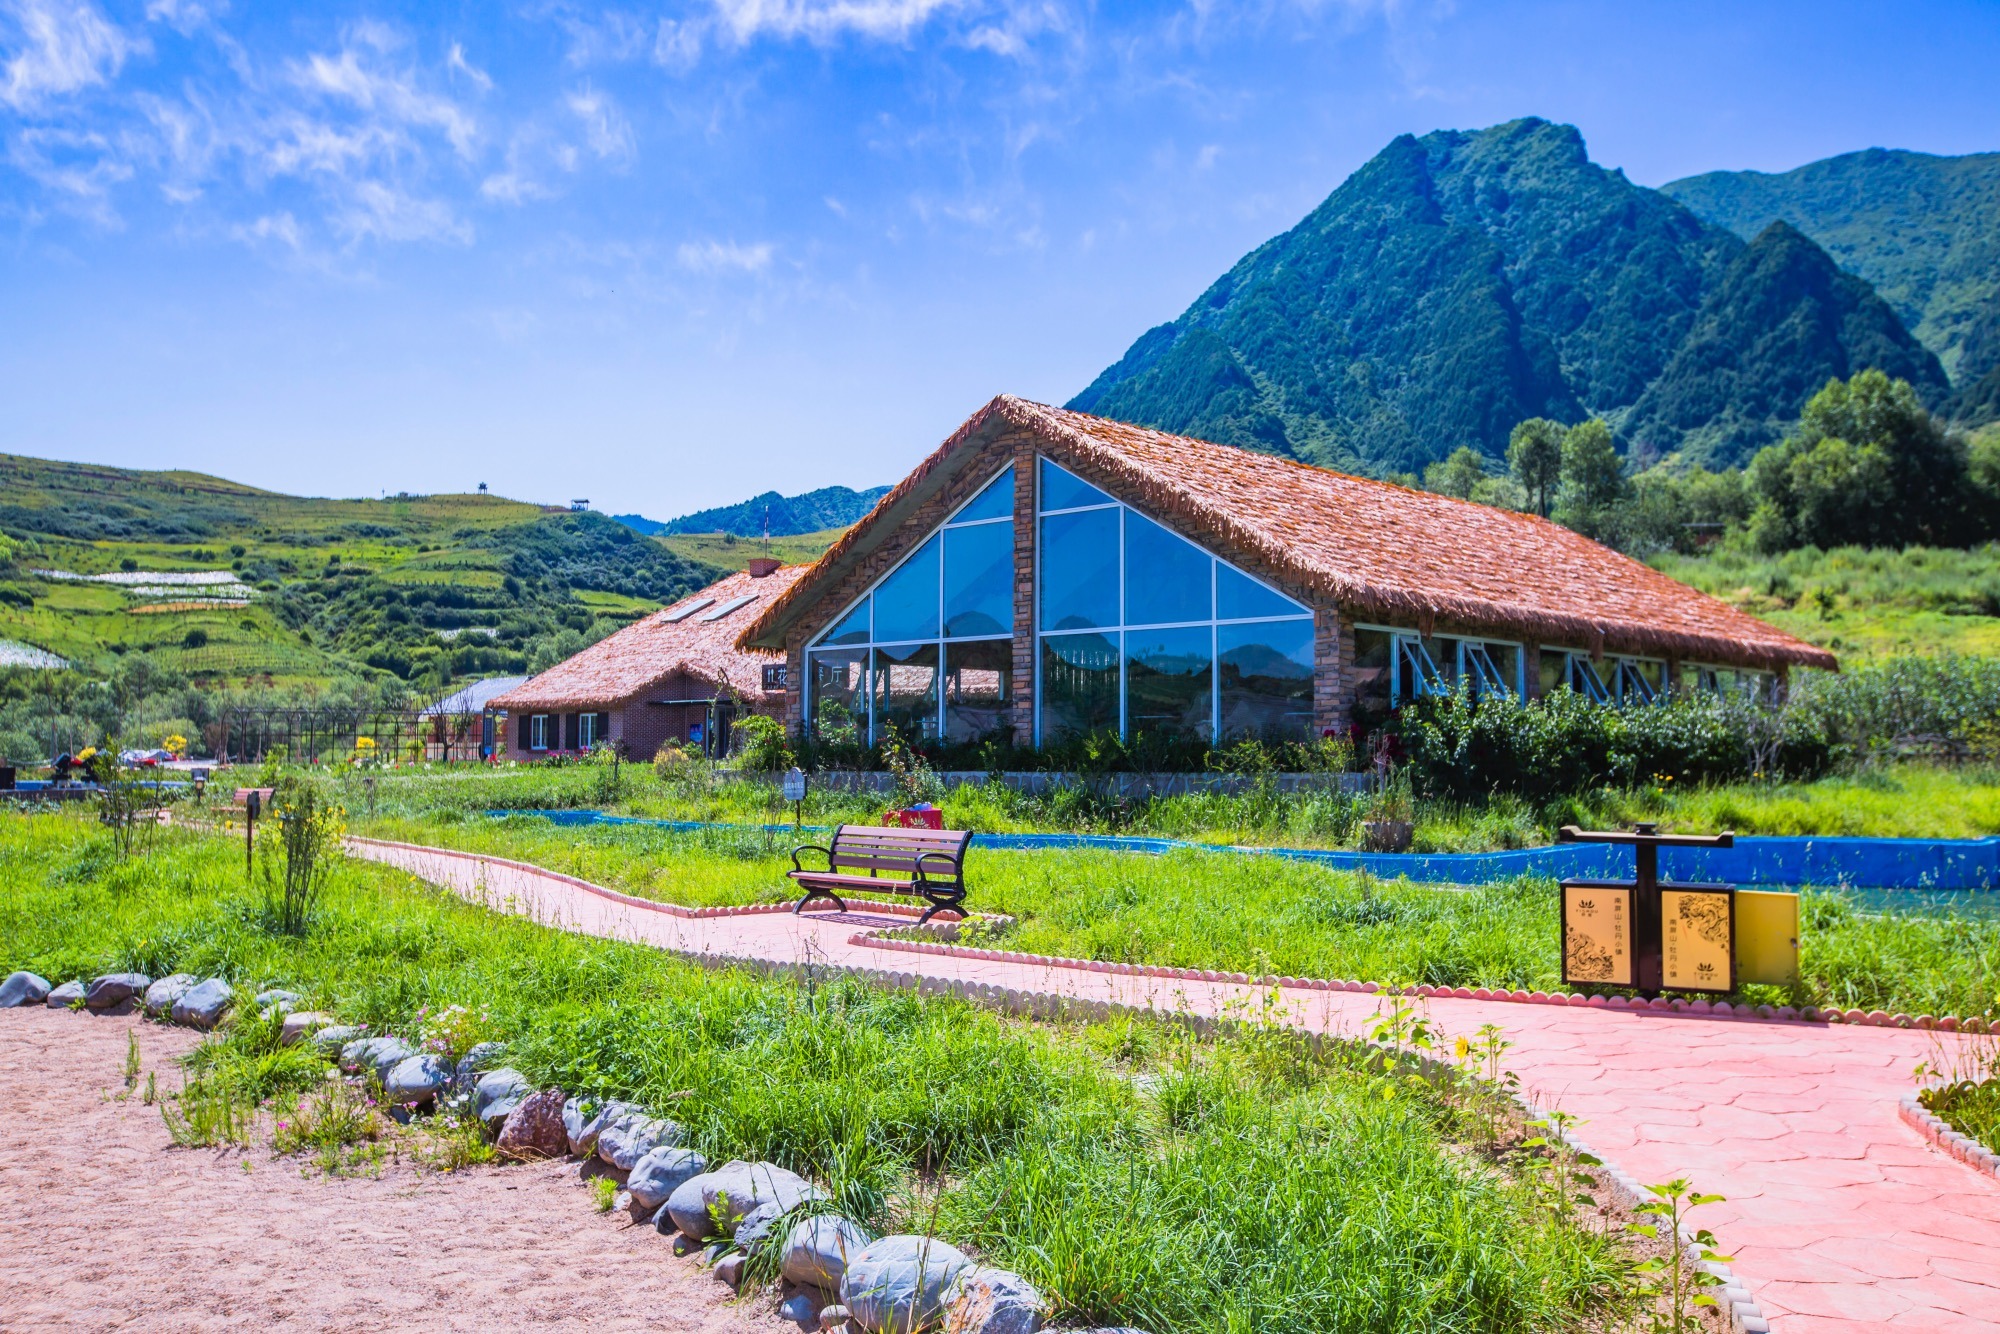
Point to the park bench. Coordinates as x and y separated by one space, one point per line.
928 864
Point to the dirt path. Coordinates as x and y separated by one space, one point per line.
104 1225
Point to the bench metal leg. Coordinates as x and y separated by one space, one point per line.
812 894
939 904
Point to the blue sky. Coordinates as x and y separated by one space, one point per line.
666 257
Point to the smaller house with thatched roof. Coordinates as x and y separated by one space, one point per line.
1046 572
676 676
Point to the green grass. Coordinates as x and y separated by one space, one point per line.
1195 909
1135 1173
736 554
1862 604
1967 1094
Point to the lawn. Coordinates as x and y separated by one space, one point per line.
1133 1172
1268 915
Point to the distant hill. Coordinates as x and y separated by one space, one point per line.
412 586
770 514
1925 230
1460 282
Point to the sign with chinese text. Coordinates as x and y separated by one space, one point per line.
1697 938
1597 934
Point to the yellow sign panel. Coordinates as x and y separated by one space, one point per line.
1696 942
1767 937
1597 934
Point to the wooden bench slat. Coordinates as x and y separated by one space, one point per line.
933 860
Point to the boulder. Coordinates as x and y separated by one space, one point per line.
835 1317
334 1041
115 990
753 1231
417 1079
484 1056
898 1285
534 1129
160 997
23 989
64 996
498 1095
279 999
378 1055
993 1301
802 1309
583 1124
657 1175
623 1142
300 1024
203 1005
716 1201
729 1269
817 1248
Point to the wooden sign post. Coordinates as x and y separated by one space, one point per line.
1681 936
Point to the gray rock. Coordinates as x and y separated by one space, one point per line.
484 1056
657 1175
114 990
729 1269
817 1249
993 1301
497 1094
359 1054
334 1041
160 996
23 989
623 1142
64 996
834 1317
583 1125
754 1230
203 1005
663 1222
802 1309
716 1201
418 1078
391 1052
279 999
898 1285
301 1024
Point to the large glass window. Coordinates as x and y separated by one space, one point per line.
1079 682
885 661
1267 677
1189 646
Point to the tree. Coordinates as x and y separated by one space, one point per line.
1593 478
1457 475
1867 466
1534 452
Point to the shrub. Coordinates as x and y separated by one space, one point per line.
761 744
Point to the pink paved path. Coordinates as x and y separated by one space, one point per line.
1841 1219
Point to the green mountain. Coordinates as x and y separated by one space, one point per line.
97 563
1780 322
1465 280
770 515
1925 230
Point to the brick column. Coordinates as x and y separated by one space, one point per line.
1024 589
1333 669
1531 666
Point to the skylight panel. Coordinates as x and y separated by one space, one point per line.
730 606
681 613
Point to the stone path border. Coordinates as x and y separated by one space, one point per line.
1838 1211
1939 1132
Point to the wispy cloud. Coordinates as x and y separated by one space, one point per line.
823 20
724 256
60 46
605 129
359 75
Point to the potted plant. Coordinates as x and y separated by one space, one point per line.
1389 820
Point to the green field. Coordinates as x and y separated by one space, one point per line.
1133 1172
342 587
736 553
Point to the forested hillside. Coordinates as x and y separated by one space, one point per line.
1925 230
770 514
1460 283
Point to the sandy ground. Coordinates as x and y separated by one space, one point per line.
104 1225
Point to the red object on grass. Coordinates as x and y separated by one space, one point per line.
931 819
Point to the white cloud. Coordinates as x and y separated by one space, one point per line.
280 227
457 62
79 167
719 256
605 129
65 45
356 76
383 212
183 16
823 20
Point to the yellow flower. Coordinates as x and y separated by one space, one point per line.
1460 1048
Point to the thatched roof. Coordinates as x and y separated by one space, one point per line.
1380 552
677 639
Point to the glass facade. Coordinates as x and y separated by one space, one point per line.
929 650
1143 632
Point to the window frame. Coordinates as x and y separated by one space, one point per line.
538 731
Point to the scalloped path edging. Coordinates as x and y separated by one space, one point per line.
1841 1216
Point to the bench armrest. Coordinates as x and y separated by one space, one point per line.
811 847
957 871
